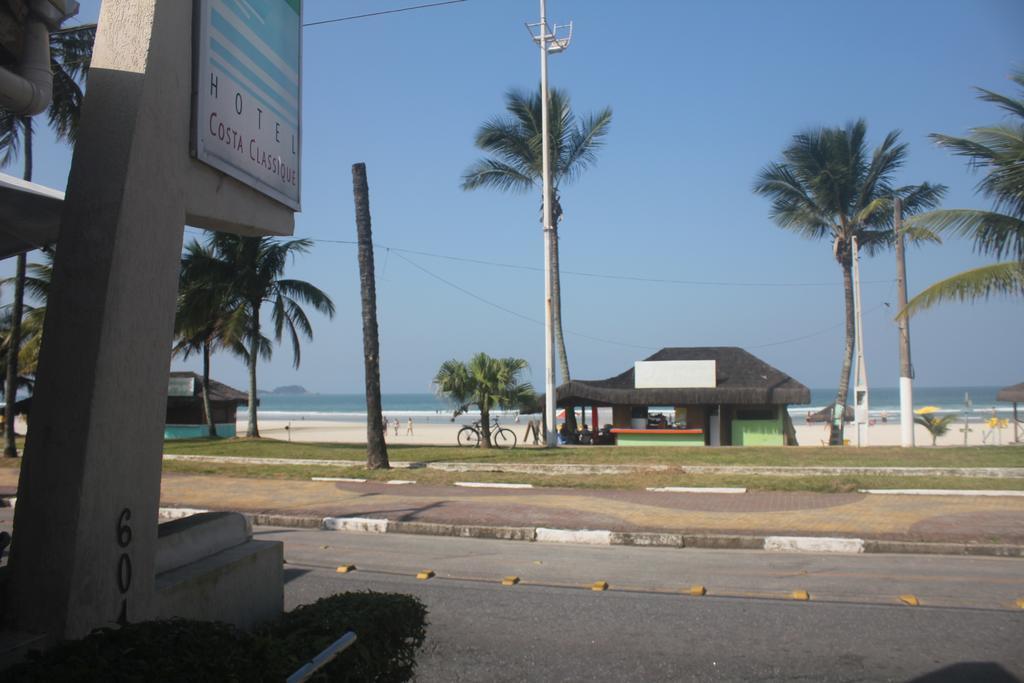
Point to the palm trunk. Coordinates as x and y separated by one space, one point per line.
253 431
14 345
485 425
556 314
211 429
376 449
17 309
836 433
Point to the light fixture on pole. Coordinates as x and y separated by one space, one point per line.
550 43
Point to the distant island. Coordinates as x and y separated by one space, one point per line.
291 389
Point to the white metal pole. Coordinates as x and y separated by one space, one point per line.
906 367
860 390
549 328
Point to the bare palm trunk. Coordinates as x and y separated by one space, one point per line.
211 429
376 449
253 431
836 433
485 425
14 346
556 314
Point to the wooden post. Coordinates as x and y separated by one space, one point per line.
376 449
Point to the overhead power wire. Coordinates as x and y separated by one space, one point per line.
605 276
517 314
377 14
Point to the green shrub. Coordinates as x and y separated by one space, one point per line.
389 627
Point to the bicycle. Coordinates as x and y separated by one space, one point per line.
469 436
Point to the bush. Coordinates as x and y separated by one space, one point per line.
390 629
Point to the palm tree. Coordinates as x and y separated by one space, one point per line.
205 318
254 267
484 382
516 165
36 286
829 187
936 426
999 149
70 55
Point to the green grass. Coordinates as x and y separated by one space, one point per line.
878 456
635 480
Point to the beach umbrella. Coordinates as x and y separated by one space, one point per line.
927 410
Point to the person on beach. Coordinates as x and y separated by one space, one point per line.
396 426
408 429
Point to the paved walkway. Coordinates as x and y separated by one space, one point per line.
896 517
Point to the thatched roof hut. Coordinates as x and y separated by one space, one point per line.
1012 394
740 379
825 414
185 416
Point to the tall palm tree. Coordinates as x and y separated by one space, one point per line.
484 382
206 318
36 286
70 55
999 150
828 186
516 164
254 266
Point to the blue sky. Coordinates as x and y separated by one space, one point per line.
704 94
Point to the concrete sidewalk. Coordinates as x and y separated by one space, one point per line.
964 520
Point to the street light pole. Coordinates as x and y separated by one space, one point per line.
860 390
548 42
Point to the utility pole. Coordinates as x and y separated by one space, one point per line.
860 389
906 367
548 41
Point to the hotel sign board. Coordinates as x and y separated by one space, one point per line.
248 93
675 374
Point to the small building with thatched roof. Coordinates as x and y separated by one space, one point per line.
1013 394
185 416
715 396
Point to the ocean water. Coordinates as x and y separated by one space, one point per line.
430 408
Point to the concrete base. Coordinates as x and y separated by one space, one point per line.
209 568
243 585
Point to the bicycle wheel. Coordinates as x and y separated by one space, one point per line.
469 437
504 438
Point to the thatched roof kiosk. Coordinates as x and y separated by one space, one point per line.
825 414
185 416
722 393
1013 394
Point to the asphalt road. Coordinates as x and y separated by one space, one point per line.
553 627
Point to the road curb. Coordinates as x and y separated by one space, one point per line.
651 539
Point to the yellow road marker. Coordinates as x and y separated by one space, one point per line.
800 595
910 600
599 586
697 590
345 569
425 574
510 581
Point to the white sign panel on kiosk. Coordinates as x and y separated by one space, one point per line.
247 104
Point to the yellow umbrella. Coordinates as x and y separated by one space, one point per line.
927 410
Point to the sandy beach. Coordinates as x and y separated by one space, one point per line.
443 433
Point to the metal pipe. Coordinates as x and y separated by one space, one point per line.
27 90
330 652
